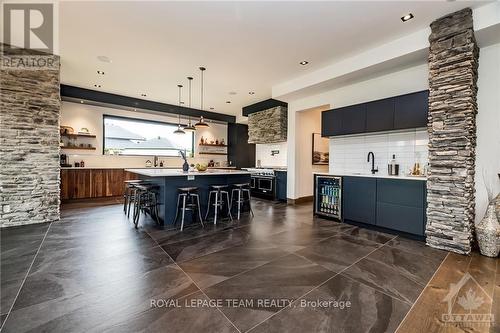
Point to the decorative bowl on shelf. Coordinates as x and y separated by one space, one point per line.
201 167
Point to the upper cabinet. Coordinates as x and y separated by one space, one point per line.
380 115
400 112
411 110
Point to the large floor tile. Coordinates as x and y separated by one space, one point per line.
369 311
200 246
217 267
103 306
52 279
417 247
176 319
285 278
371 235
295 239
338 252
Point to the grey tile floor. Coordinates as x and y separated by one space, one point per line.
93 272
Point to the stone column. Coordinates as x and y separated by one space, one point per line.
453 63
29 137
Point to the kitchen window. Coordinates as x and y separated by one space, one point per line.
130 136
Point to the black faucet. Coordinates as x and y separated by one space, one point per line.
373 162
155 161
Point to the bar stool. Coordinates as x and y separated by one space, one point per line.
188 196
240 190
128 194
218 191
145 199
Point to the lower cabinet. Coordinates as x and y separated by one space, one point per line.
280 185
389 203
93 183
359 197
401 205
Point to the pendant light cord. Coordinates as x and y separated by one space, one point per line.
180 87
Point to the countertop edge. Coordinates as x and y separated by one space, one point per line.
342 174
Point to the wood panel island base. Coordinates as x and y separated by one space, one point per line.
170 180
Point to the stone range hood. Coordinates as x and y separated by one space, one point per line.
267 121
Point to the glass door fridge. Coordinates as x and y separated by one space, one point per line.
328 196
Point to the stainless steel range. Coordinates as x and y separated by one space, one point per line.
263 183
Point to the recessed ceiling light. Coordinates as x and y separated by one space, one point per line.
251 93
143 95
407 17
228 102
100 72
97 85
104 59
135 109
81 101
303 62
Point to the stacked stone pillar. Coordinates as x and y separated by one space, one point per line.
453 64
29 137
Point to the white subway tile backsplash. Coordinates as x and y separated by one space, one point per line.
349 153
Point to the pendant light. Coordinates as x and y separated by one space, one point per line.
190 127
179 129
202 122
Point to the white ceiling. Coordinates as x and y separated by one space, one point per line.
246 46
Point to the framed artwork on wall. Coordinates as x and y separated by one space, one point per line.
320 150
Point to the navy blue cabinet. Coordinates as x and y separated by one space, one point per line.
401 205
411 110
359 199
400 112
280 185
387 203
353 119
331 123
240 152
380 115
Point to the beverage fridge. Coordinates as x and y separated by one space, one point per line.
328 196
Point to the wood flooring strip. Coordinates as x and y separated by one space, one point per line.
426 314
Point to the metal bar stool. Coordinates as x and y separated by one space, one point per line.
218 191
188 195
146 200
128 194
240 190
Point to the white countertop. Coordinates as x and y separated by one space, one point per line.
178 172
156 168
369 175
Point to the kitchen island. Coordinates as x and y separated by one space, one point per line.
169 180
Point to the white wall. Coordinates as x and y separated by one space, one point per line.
349 153
263 153
400 82
488 128
82 115
308 122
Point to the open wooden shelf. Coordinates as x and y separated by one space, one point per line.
77 135
79 148
211 145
